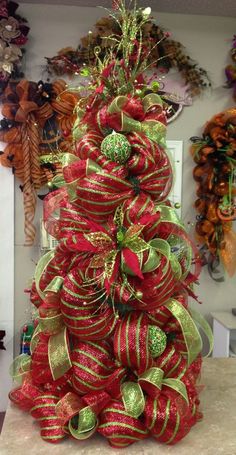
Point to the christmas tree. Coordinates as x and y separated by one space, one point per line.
115 349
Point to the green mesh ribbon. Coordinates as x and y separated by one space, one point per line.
20 367
204 326
86 426
190 332
133 398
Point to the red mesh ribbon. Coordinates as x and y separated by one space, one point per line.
130 342
92 366
120 428
164 420
44 410
81 312
101 188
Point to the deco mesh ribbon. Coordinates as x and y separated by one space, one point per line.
116 349
215 155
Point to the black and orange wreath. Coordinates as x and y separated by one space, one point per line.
215 174
37 124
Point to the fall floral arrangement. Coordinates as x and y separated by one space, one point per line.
13 35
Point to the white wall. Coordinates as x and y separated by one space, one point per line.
6 280
207 39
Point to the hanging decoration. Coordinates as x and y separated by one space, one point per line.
37 126
215 174
14 30
230 70
164 56
116 349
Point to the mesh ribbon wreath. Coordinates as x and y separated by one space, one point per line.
30 152
215 155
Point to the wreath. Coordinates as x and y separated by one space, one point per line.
215 172
13 35
37 124
230 70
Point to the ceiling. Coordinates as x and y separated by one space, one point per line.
203 7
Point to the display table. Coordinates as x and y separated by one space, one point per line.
224 323
216 434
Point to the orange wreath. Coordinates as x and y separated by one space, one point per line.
37 126
215 174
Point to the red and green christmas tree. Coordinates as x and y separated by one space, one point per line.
115 348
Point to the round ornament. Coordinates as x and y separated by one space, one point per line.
157 341
116 147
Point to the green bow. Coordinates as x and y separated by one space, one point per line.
151 381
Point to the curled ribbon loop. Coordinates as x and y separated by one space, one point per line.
190 332
20 367
87 424
153 380
133 398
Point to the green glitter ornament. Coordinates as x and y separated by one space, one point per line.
116 147
157 341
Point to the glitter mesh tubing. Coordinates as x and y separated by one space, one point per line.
115 348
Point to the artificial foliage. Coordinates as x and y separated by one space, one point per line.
230 70
115 348
158 47
215 156
36 125
14 30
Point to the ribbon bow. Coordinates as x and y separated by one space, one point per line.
23 99
153 383
119 114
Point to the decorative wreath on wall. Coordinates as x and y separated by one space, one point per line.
13 35
37 124
215 174
163 52
230 70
